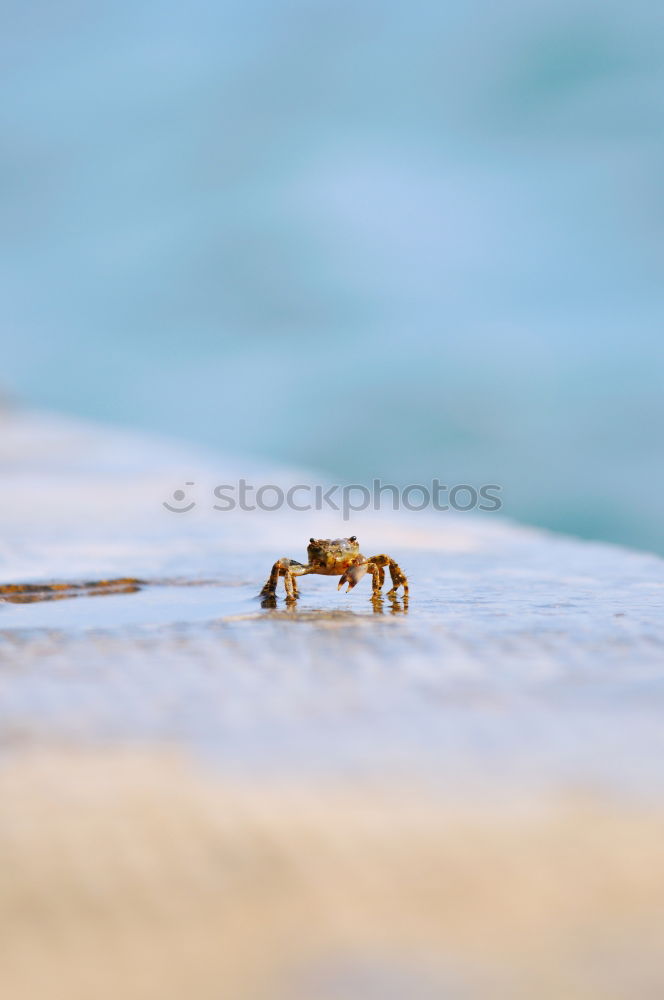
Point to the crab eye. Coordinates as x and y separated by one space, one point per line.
312 540
353 538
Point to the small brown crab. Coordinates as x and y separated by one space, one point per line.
335 557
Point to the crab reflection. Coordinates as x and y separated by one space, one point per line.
380 605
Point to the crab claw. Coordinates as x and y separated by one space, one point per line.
352 576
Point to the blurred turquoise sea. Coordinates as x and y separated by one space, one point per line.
377 239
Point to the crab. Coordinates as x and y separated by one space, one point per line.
335 557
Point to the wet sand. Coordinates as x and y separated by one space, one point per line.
497 670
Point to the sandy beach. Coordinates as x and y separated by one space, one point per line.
459 795
135 874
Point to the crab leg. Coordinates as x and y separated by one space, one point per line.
289 569
398 576
378 579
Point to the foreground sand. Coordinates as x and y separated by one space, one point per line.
136 875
